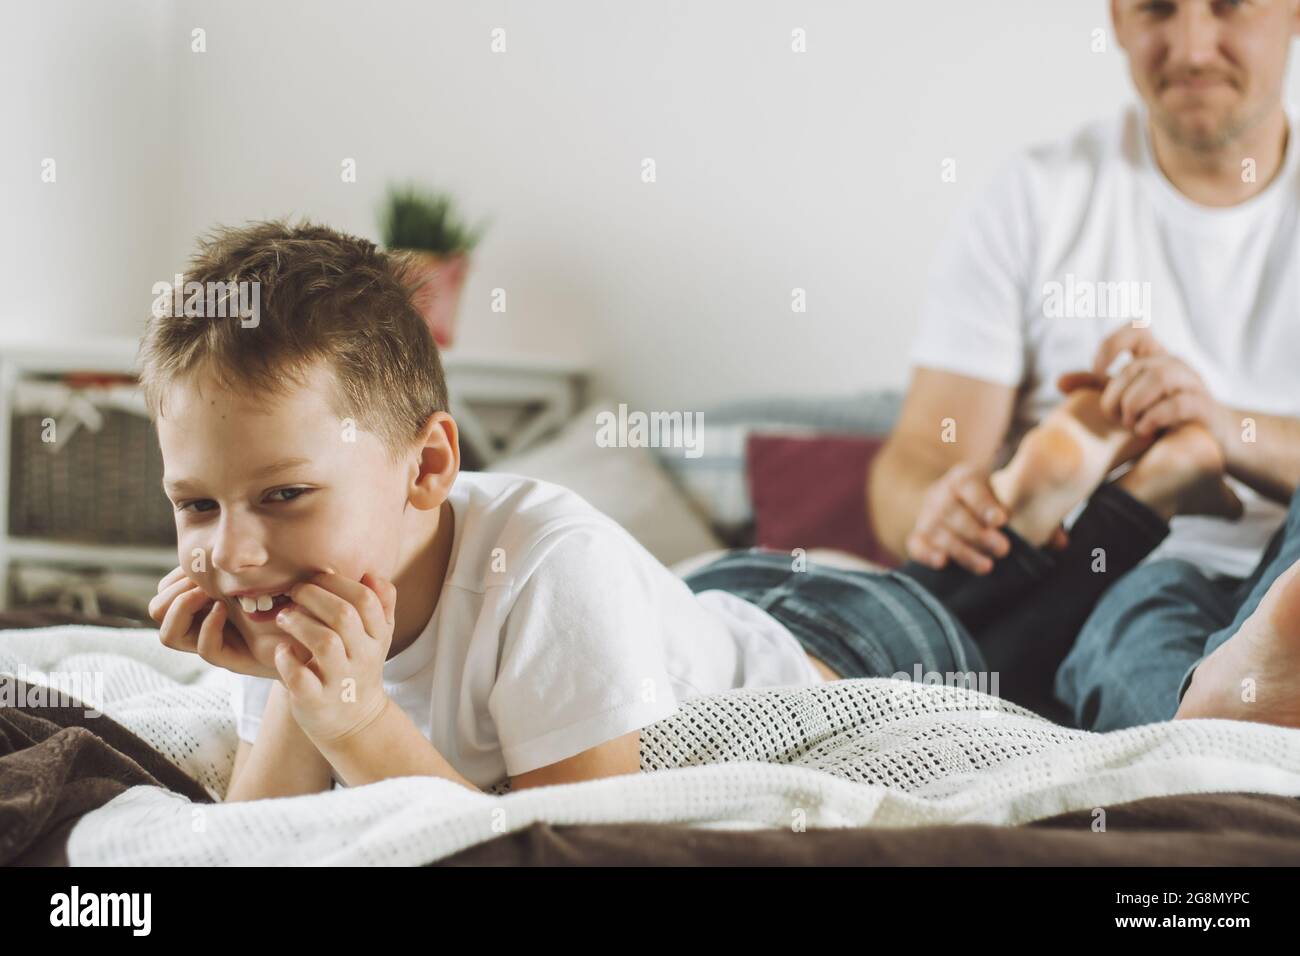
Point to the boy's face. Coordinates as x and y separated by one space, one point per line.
244 524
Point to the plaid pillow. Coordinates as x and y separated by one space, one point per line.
716 482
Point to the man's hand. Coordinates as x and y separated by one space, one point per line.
181 609
958 519
1155 391
348 627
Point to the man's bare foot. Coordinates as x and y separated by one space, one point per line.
1182 474
1059 463
1252 675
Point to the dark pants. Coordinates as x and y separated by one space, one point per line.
1018 622
1026 613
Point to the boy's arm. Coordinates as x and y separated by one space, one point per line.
616 757
598 681
283 763
392 746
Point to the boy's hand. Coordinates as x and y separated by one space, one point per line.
187 624
348 627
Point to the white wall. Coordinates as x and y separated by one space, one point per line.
82 84
775 169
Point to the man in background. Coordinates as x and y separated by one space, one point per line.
1170 232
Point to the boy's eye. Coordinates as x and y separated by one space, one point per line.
296 493
299 492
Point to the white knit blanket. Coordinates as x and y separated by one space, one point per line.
849 753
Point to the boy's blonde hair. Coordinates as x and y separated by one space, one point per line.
322 295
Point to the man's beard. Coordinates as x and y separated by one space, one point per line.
1231 128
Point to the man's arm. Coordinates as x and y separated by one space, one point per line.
1263 451
1158 390
973 413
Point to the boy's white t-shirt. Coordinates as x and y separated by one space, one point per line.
556 631
1008 298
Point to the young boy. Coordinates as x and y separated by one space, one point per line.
383 613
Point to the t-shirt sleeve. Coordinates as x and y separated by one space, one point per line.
971 319
248 697
582 655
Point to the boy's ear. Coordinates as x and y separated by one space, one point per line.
438 463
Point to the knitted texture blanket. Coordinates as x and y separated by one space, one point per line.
848 753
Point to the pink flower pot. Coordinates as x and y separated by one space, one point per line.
436 283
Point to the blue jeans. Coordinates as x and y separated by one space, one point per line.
1026 613
1005 632
1136 653
860 623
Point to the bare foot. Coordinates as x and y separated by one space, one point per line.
1252 675
1182 474
1059 463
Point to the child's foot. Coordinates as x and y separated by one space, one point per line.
1059 463
1252 675
1182 474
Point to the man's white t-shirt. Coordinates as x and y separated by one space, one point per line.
1058 253
556 631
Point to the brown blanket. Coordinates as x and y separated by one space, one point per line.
57 764
1203 829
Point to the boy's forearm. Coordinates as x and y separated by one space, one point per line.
284 762
389 746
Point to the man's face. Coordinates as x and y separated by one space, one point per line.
1208 70
340 507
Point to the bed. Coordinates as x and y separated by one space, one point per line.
863 771
855 772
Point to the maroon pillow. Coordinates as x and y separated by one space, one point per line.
809 491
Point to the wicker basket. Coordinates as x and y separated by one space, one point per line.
99 486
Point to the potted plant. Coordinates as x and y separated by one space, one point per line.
434 244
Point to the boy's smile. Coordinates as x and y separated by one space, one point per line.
270 493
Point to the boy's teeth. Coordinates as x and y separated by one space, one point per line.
263 602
